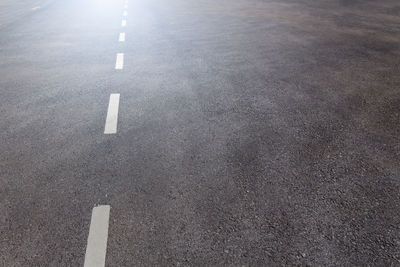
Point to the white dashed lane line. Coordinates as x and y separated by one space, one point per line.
112 115
125 13
121 37
123 23
119 62
98 235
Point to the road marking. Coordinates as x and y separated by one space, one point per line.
97 240
125 6
122 37
125 13
112 115
123 23
36 7
119 63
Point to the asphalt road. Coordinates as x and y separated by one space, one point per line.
249 132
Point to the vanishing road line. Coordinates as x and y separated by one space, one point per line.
123 23
119 63
125 13
112 115
97 240
122 37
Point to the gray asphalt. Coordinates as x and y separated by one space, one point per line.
250 132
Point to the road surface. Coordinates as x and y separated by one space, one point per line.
200 133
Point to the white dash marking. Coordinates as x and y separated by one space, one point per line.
112 115
123 23
122 37
97 240
36 8
119 63
125 13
